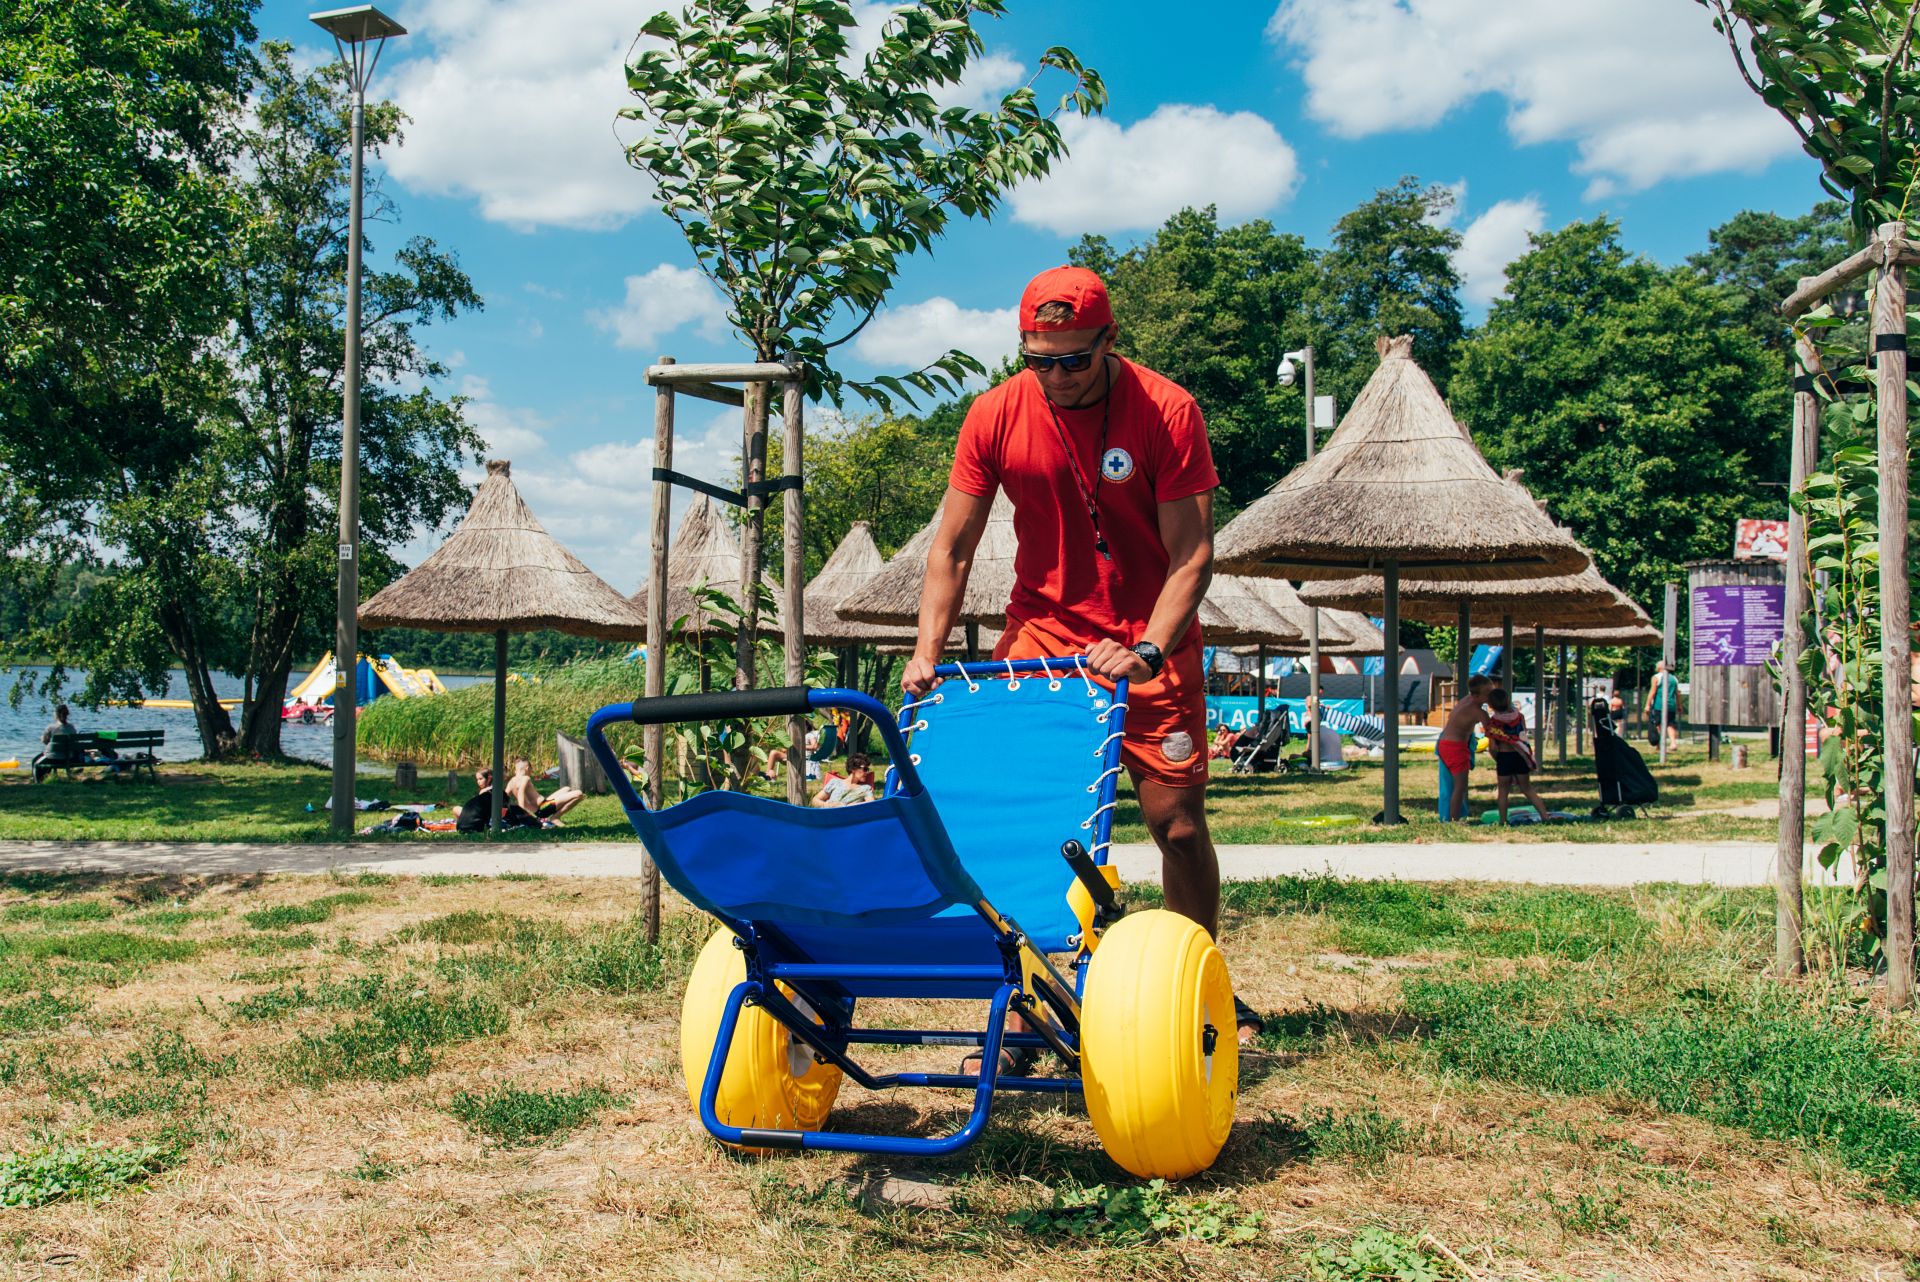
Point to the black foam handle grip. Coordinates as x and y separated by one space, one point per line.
1089 874
784 701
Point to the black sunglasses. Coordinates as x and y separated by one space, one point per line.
1072 362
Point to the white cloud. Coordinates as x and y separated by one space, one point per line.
903 338
1490 242
594 499
1644 88
513 105
663 300
1133 178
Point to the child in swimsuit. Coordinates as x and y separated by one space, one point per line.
1513 760
1455 748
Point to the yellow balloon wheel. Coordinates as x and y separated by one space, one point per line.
771 1080
1159 1049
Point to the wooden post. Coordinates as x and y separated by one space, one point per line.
1506 652
1390 702
1789 902
654 738
1580 693
793 572
1260 691
1539 693
973 641
1896 615
1560 729
753 467
1462 649
499 733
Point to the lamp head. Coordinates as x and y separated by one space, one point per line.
360 23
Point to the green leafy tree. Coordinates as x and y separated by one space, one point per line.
801 175
1756 258
222 526
1389 270
890 472
112 214
1637 405
1842 74
1214 309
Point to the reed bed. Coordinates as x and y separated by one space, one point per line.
455 730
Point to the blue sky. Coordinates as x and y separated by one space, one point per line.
1539 112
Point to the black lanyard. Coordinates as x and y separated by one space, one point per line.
1073 459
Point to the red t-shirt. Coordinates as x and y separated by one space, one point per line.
1156 452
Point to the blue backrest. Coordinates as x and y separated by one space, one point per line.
1017 765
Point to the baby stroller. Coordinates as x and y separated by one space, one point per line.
1625 781
1259 748
956 884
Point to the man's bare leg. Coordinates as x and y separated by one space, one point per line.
1189 865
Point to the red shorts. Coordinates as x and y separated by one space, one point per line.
1166 717
1455 755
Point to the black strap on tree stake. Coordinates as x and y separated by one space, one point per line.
737 498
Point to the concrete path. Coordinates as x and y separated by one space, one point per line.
1727 863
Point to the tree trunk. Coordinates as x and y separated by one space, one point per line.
209 714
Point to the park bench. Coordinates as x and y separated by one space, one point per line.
134 751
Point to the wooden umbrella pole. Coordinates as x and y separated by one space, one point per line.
1390 702
1789 896
1580 692
1896 646
973 642
654 737
1260 688
1561 728
499 732
1539 692
1506 652
793 574
1462 649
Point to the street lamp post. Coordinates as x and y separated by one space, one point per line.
1305 357
353 30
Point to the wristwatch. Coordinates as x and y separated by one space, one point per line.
1150 652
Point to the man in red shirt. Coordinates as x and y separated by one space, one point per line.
1111 478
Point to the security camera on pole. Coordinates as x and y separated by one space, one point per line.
353 30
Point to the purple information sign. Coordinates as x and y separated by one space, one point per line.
1737 625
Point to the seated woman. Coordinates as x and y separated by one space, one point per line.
852 789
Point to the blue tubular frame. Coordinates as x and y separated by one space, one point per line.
831 1038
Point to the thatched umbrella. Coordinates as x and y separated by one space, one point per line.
1235 612
501 572
704 550
1398 487
893 595
852 566
1285 601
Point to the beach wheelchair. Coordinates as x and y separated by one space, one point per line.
980 874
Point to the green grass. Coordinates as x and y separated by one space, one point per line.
103 947
1137 1214
310 913
36 1014
1749 1055
1377 1254
57 912
394 1039
1365 1137
87 1172
517 1117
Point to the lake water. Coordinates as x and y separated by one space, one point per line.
20 726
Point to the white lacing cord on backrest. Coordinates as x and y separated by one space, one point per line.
1109 711
973 687
1101 751
1053 682
1104 776
1080 666
1086 825
1013 682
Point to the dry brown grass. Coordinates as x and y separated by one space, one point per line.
1514 1183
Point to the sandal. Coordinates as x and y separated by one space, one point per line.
1015 1061
1248 1021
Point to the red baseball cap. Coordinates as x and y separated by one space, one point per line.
1078 288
